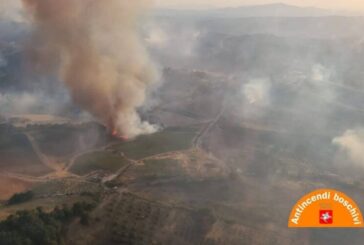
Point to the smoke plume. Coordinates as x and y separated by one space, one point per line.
352 142
95 48
10 10
257 91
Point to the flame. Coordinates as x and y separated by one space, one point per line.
116 134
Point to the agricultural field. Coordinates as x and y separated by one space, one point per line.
65 140
54 193
98 160
167 140
67 186
159 169
189 165
130 219
133 219
17 154
9 186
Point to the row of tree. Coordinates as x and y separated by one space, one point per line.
21 197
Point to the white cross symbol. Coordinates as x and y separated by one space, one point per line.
325 217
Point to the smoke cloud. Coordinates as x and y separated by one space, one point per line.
352 142
29 102
10 10
3 61
96 50
256 92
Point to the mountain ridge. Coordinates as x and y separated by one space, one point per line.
261 10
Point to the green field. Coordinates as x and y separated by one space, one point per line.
170 139
17 154
164 168
98 160
66 139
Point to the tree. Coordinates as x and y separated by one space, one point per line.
37 227
21 197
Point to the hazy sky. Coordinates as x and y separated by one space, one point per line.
7 7
353 5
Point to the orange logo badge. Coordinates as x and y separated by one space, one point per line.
325 208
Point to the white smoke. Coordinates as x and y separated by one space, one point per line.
11 10
27 102
352 143
179 43
321 83
156 37
257 92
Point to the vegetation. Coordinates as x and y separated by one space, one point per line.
171 139
113 184
161 168
21 197
16 152
66 187
137 220
66 139
10 137
100 160
39 228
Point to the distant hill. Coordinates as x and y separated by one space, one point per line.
266 10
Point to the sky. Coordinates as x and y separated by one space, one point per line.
351 5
